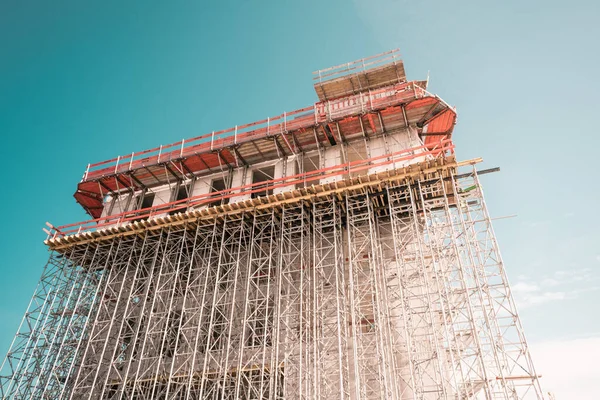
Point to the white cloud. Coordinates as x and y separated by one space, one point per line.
524 287
537 224
569 367
538 298
561 285
584 290
549 282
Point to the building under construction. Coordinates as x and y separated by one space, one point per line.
339 251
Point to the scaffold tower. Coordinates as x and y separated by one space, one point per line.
339 251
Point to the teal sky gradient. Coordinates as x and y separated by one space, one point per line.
81 82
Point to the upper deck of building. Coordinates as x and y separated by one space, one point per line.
369 118
358 100
385 69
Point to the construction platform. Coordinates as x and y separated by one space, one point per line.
339 251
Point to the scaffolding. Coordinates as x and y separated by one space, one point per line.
379 285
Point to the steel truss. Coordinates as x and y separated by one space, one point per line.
398 293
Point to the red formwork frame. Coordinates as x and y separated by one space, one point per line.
206 151
320 112
443 148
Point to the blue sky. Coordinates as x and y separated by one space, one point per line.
82 82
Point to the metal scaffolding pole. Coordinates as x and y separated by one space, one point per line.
509 368
396 293
294 318
329 303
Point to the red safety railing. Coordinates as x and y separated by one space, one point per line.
444 147
319 113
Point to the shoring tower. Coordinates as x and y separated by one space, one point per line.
339 251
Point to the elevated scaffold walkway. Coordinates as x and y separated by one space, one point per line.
339 251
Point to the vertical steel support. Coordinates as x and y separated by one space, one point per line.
398 293
329 303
